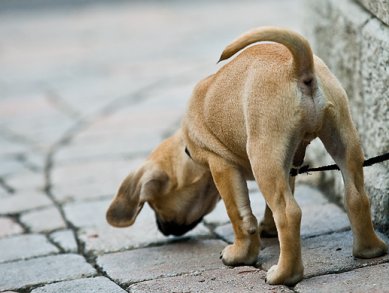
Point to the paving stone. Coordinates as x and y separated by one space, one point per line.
10 165
23 202
9 227
43 220
97 236
25 246
27 181
91 179
65 239
88 213
367 279
163 261
324 254
22 274
232 280
10 147
90 285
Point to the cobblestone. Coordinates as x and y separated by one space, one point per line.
367 279
22 274
25 246
43 220
9 227
236 280
90 285
65 239
163 261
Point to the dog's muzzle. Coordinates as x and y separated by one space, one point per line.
172 228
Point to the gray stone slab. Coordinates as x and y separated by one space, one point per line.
8 227
23 202
168 260
43 220
25 246
380 8
65 239
22 274
375 80
357 55
88 213
232 280
90 285
10 165
333 28
323 254
367 279
27 181
375 119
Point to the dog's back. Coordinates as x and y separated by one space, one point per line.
264 86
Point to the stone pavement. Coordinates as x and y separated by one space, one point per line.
86 92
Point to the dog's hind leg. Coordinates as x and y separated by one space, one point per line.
272 176
267 226
340 138
233 189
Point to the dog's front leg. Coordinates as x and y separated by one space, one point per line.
233 189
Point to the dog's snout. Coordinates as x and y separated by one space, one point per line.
172 228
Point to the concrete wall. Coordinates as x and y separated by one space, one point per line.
353 39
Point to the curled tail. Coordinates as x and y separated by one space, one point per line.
296 44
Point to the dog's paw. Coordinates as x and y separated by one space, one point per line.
374 249
277 276
234 255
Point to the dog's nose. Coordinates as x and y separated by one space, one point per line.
172 228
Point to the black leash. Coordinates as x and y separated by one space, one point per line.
366 163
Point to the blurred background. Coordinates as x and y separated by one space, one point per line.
84 84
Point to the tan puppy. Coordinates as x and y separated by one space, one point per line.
180 191
254 119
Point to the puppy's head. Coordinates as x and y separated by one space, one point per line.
179 191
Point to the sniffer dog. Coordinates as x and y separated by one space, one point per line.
253 119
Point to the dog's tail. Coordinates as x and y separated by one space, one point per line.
297 45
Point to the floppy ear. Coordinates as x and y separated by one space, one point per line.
132 194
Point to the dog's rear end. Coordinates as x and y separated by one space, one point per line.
255 118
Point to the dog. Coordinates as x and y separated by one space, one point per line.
252 120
